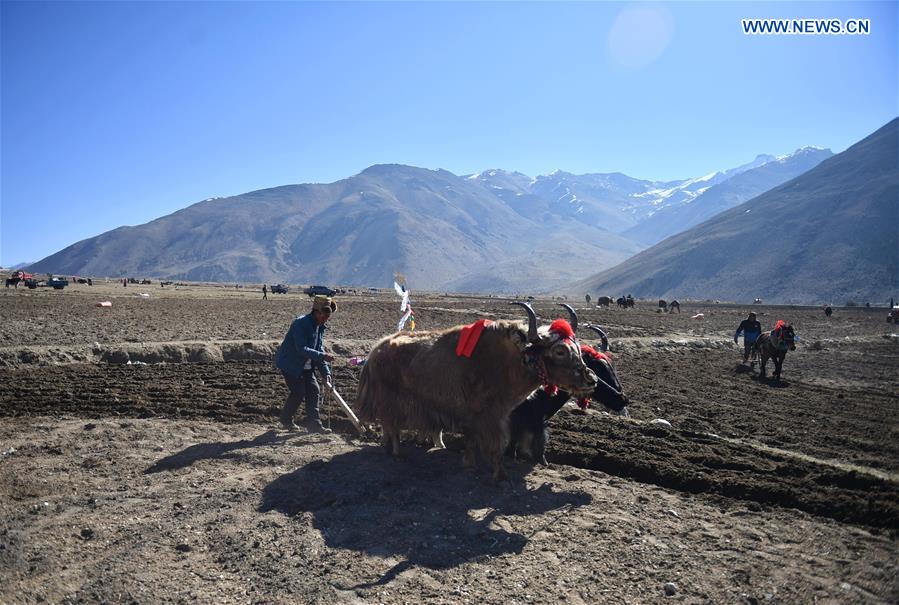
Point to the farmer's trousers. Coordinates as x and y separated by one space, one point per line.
302 387
747 349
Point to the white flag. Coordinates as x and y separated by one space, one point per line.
402 292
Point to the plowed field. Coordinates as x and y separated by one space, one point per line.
140 462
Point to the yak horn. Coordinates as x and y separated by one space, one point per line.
602 336
573 315
532 321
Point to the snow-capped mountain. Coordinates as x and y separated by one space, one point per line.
687 191
829 234
623 204
737 186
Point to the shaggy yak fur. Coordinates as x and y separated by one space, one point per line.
775 345
416 381
529 422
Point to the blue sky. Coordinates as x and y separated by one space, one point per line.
117 113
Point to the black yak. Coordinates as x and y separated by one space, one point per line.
528 422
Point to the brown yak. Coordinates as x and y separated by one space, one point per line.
417 381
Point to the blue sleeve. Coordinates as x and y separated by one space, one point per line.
305 339
303 336
324 368
314 354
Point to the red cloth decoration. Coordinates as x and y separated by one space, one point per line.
591 352
470 336
562 328
778 329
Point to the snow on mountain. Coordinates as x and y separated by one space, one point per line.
611 201
743 183
687 191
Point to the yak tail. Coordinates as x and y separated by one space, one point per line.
364 405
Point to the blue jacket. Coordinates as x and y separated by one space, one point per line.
751 330
304 341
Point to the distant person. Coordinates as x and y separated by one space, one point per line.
264 292
299 355
751 329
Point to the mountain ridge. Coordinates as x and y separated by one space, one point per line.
827 235
496 230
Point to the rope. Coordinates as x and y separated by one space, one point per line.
536 361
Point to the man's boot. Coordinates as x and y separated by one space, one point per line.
316 426
290 408
313 420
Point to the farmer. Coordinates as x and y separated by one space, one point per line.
751 330
301 352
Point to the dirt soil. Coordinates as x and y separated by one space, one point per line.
140 462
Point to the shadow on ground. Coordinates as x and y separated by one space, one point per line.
217 451
774 383
425 509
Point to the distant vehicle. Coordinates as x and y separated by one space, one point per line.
893 315
57 283
280 289
319 291
18 276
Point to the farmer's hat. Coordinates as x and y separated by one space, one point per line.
323 302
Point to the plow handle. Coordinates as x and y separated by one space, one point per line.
349 411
